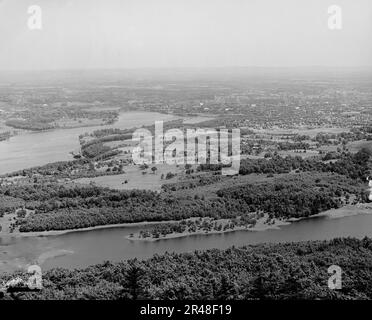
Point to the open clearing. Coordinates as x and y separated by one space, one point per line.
302 131
136 178
355 146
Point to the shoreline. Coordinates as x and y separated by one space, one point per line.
61 232
260 226
77 126
343 211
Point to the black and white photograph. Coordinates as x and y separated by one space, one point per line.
212 151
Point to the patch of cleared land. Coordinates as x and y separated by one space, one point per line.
303 131
307 154
71 123
349 210
5 223
197 119
136 178
210 191
356 146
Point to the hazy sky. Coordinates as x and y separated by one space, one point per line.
183 33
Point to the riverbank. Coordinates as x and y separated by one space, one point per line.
77 249
346 211
32 149
18 234
261 225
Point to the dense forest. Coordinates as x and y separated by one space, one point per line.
58 207
193 182
73 169
356 166
264 271
37 124
196 225
296 194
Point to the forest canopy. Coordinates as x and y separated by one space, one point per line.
264 271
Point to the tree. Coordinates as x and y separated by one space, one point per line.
154 169
226 289
169 175
133 281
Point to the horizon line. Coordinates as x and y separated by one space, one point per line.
186 68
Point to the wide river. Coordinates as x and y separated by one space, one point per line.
83 248
80 249
38 148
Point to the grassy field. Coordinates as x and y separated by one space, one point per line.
210 191
76 123
355 146
302 131
307 154
136 178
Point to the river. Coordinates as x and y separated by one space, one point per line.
30 149
83 248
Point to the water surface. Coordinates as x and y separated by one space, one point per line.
30 149
80 249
